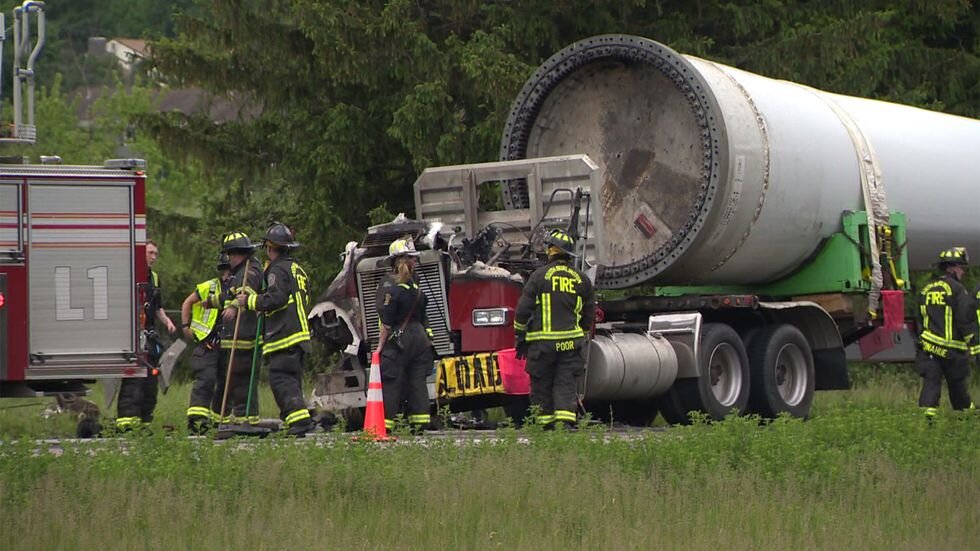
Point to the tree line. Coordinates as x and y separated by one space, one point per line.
343 103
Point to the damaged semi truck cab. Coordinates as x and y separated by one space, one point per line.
741 231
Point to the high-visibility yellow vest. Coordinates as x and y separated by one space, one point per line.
203 315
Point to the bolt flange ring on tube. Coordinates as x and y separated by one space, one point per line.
616 125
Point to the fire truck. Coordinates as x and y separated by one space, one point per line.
738 230
72 255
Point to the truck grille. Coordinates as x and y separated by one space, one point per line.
431 280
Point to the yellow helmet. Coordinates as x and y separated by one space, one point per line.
954 256
561 240
402 247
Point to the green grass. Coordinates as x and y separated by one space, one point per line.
865 472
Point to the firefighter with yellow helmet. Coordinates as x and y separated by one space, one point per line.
286 335
554 315
238 349
948 328
405 342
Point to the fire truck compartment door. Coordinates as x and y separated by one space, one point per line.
81 271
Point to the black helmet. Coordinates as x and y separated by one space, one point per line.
224 263
955 256
279 234
561 239
236 241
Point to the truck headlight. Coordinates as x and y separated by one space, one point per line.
489 317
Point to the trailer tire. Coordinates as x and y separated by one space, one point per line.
782 369
723 381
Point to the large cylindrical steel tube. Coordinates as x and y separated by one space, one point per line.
716 175
629 366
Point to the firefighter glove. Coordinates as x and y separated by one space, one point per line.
520 346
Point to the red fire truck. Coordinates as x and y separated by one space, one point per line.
72 257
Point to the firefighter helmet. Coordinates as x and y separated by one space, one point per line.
280 235
954 256
236 241
224 263
402 247
561 239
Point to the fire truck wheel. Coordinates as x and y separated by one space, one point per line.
723 382
782 372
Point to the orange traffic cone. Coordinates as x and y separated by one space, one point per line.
374 418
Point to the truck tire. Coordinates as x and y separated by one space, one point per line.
723 382
671 406
781 365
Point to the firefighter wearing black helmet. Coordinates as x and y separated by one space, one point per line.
947 330
286 335
554 315
200 319
239 349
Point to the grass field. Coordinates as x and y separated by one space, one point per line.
865 472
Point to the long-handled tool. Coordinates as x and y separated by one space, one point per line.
234 343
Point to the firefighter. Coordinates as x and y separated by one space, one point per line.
405 342
239 351
138 396
286 335
949 326
554 315
203 309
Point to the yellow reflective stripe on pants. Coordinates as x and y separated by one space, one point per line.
128 422
389 424
564 415
419 419
198 411
930 412
298 415
545 419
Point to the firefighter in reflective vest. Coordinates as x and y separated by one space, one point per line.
138 396
948 328
405 341
554 315
240 350
203 308
286 335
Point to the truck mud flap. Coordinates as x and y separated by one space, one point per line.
831 369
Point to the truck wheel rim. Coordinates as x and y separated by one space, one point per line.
791 374
725 374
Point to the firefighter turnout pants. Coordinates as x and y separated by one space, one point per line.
932 369
241 372
555 368
138 396
286 380
205 402
403 373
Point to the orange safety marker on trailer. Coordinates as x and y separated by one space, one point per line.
374 417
